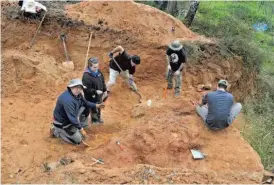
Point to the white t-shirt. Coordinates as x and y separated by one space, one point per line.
31 5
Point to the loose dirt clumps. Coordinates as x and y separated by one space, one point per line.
155 138
143 21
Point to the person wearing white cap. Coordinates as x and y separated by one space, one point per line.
176 59
71 112
218 109
31 7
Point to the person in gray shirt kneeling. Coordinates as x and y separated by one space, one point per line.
218 109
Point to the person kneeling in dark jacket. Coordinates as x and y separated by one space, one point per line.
70 113
95 90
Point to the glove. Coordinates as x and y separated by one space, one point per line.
99 92
99 106
82 93
130 81
169 67
177 72
110 55
83 132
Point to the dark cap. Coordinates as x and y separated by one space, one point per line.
136 59
93 60
223 82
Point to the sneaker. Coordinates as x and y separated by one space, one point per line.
177 94
100 121
97 121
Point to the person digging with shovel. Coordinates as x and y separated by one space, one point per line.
176 59
95 90
70 114
217 108
123 64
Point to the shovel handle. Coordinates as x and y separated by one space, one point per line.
165 93
90 36
63 38
117 64
34 37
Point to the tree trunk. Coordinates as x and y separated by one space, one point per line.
172 8
194 5
162 5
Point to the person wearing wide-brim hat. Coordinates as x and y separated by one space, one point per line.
176 59
96 90
69 115
218 109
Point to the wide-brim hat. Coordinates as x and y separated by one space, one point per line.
176 45
76 82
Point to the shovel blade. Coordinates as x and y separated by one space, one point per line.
68 65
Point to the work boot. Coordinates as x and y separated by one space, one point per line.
97 121
51 132
177 93
169 86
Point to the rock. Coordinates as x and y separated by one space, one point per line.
82 171
200 87
65 161
52 165
174 134
11 176
138 112
14 117
10 102
207 87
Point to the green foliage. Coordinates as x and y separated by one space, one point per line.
231 23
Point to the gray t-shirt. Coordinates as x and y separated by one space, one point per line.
219 106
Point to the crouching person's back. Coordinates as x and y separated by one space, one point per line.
218 109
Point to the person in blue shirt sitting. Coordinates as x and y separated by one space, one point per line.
218 109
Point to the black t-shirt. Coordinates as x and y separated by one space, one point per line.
124 61
176 58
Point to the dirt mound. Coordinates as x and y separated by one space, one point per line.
155 139
143 21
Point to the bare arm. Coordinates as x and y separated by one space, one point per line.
119 49
181 66
167 60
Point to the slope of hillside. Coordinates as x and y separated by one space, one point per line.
156 138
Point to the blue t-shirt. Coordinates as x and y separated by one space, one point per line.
219 106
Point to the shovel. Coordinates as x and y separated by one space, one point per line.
135 90
68 64
37 31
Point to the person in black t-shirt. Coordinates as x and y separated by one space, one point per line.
127 65
176 59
